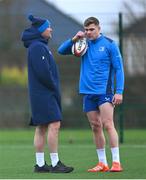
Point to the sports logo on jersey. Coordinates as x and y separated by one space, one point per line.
50 52
101 48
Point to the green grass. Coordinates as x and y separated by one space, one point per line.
17 155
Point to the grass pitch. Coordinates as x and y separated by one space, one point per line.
17 156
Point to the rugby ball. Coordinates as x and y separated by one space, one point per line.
79 48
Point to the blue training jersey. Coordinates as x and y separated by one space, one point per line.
101 67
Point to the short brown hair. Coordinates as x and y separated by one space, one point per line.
91 20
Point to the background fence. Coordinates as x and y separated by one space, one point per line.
14 106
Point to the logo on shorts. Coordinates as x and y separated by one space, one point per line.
107 98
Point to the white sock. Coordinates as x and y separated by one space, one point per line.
101 155
54 159
115 154
40 159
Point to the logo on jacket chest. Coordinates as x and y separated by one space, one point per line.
101 48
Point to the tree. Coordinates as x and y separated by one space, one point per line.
134 9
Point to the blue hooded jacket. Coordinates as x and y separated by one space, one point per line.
43 79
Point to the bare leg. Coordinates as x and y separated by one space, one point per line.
53 131
96 125
99 139
39 138
106 112
39 143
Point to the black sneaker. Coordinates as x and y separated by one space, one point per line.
61 168
44 169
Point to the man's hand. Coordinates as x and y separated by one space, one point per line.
117 99
80 34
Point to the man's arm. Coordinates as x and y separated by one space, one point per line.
65 47
117 63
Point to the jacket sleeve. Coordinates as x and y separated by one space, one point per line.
117 64
65 47
41 66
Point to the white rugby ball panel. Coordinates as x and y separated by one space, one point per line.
79 48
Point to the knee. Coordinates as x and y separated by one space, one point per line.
108 125
96 126
55 126
41 130
39 137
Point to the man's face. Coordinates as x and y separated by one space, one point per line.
47 34
92 31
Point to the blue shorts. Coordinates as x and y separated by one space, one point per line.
91 102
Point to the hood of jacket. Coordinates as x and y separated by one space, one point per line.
31 35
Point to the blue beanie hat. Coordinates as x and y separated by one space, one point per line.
39 23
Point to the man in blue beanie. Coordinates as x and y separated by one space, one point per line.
44 94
